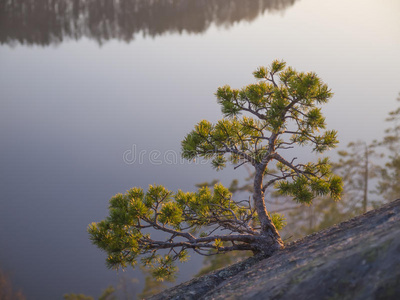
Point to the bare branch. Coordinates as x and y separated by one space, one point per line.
272 181
288 164
171 231
240 153
240 164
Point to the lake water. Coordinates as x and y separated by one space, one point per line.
97 95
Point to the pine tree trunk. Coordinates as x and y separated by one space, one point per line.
271 240
365 198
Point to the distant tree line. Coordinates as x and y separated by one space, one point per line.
51 22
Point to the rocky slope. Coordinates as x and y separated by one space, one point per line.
357 259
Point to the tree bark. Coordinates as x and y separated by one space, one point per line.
270 239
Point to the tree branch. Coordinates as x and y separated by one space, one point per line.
288 164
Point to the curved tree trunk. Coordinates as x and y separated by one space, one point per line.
270 239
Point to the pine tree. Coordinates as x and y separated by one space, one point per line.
262 120
389 181
357 168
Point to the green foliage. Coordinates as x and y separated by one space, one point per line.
279 220
286 108
124 234
215 262
356 167
317 180
358 164
278 112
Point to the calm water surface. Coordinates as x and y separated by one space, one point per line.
97 95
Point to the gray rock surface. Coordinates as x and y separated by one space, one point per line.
357 259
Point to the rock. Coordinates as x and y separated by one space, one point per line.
357 259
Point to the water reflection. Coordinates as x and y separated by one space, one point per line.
44 22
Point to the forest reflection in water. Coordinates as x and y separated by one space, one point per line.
43 22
